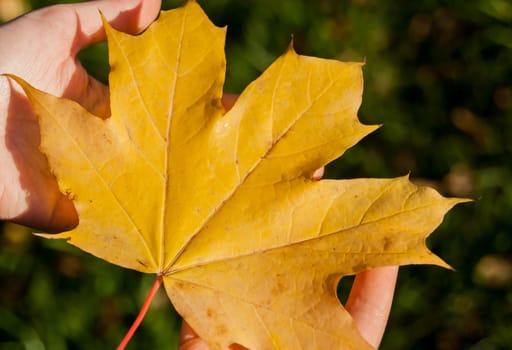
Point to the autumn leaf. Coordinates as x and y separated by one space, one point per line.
222 205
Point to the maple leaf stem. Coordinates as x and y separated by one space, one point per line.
142 313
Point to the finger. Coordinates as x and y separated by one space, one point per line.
370 301
189 340
318 174
130 16
63 216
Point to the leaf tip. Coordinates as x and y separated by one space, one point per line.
29 89
431 258
441 263
106 25
463 200
374 127
63 235
453 201
17 79
291 48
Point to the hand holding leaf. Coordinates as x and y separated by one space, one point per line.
41 48
222 205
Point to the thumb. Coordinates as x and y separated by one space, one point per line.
130 16
370 301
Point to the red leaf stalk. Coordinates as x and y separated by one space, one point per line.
141 315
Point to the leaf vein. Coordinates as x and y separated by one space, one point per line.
250 171
137 89
303 241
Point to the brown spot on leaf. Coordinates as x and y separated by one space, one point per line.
359 267
69 194
388 242
143 263
278 288
221 330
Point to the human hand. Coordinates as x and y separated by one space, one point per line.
41 48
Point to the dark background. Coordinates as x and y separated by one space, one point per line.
438 75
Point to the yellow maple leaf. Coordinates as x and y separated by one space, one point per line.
222 205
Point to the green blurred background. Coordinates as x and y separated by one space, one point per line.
438 75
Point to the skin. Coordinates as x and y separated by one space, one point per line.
41 48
